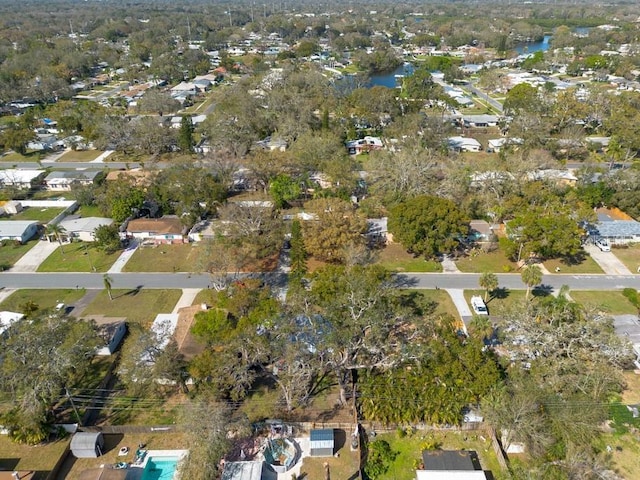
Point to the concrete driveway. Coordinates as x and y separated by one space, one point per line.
608 262
31 260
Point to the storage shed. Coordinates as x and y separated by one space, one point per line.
322 443
87 444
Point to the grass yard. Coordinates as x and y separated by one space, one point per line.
44 298
41 458
587 265
78 257
395 258
80 155
409 451
503 301
113 443
16 157
480 262
140 306
344 466
624 454
629 256
165 258
89 211
11 252
611 302
631 394
441 300
43 215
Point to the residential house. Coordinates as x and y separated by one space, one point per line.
273 144
168 229
83 228
480 231
364 145
61 181
560 177
464 144
496 144
21 178
377 231
451 465
480 121
18 230
617 229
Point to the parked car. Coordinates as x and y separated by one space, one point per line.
603 245
478 305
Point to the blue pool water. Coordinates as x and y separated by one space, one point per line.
160 468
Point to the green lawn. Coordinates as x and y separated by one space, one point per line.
44 298
78 257
441 299
89 211
480 262
16 157
41 458
395 258
587 265
43 215
502 302
629 256
165 258
139 306
80 155
611 302
344 466
11 252
409 451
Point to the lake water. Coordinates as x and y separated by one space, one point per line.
389 79
532 47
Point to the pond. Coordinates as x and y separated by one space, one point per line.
532 47
388 79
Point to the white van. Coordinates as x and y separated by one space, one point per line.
478 305
603 245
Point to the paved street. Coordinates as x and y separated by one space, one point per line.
409 280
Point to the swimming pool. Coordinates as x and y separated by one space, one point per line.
160 468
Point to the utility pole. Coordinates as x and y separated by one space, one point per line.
73 405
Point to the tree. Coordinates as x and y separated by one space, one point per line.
337 225
284 189
522 98
120 200
531 276
489 282
185 135
57 231
108 238
16 137
379 458
427 225
40 357
108 283
158 102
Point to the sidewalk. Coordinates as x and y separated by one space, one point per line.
6 293
124 257
187 298
31 260
448 265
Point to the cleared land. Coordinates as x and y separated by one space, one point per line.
139 306
78 257
394 257
611 302
479 262
80 155
165 258
629 256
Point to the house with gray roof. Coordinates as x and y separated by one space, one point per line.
18 230
450 465
616 231
63 180
83 228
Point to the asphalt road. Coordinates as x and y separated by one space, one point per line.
483 96
76 165
196 280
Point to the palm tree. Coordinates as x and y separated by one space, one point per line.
488 281
108 282
481 327
531 276
57 231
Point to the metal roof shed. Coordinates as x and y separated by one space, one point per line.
322 443
87 444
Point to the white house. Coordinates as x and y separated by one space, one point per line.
366 144
496 144
464 144
83 228
168 229
61 181
20 178
18 230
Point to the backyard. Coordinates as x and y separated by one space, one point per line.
138 305
344 465
409 449
42 215
78 257
41 458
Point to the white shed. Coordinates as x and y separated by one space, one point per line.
87 444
